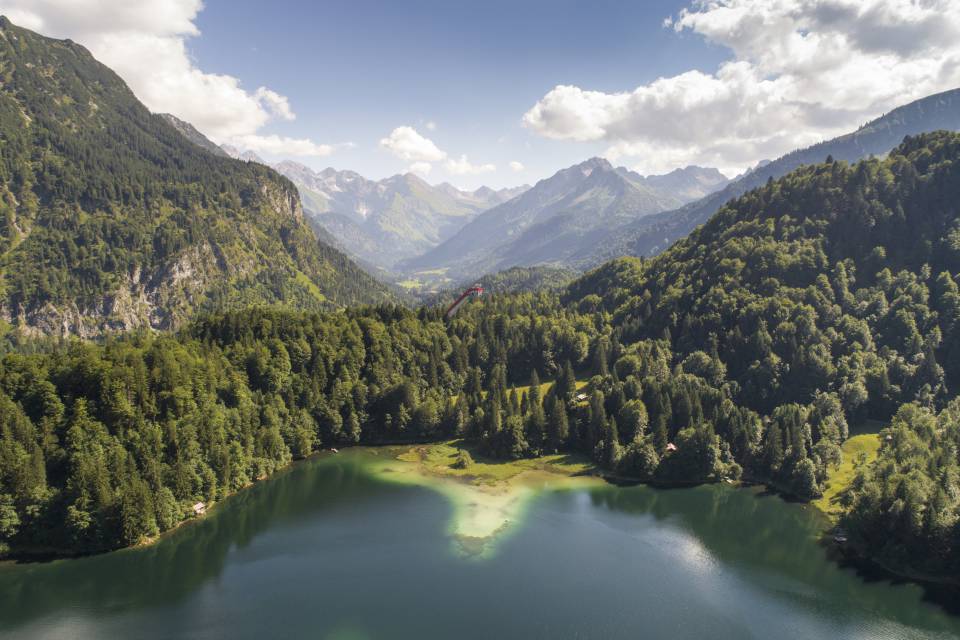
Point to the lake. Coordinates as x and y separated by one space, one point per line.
330 549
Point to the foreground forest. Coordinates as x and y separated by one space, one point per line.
817 301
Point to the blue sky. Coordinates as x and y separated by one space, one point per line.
353 71
470 92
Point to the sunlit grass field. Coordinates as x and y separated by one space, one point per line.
858 451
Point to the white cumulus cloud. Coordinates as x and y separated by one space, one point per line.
463 167
800 71
420 168
144 41
516 166
276 104
408 145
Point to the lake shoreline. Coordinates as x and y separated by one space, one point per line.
840 554
26 556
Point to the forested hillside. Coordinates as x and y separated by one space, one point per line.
835 277
747 350
103 445
111 219
835 286
656 233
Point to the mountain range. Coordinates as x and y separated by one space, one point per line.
403 225
561 215
577 219
386 221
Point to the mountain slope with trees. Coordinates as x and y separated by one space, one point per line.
834 288
190 133
654 234
111 219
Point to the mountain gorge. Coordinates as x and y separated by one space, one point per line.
111 219
384 222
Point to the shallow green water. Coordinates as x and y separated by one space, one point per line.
325 550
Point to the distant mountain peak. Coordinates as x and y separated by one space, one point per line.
558 217
382 222
694 170
484 191
689 183
587 167
292 164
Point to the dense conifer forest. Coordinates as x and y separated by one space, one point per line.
748 350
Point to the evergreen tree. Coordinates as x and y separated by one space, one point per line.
558 427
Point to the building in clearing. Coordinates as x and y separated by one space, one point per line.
580 397
199 509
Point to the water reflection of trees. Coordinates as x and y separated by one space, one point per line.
183 561
761 534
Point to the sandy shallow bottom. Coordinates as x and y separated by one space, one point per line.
489 500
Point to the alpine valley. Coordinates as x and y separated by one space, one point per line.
665 406
409 232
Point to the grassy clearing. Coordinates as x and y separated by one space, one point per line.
858 450
439 460
303 280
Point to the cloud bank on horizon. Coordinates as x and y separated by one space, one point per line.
801 71
126 34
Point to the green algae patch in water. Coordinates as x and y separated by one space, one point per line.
489 499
